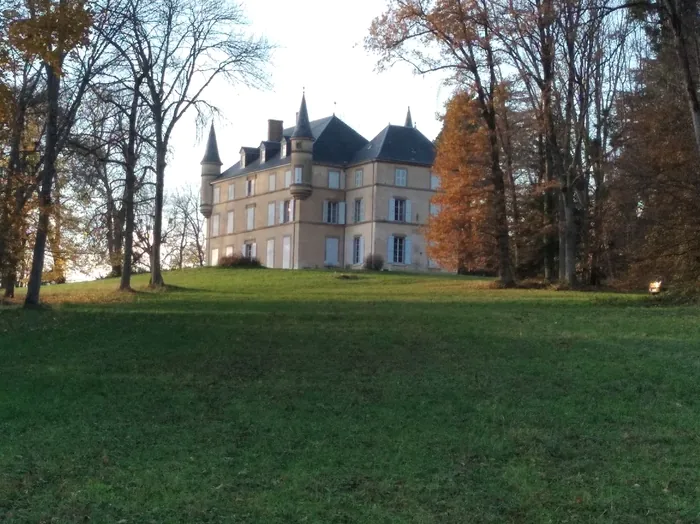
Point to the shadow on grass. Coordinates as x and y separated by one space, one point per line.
196 408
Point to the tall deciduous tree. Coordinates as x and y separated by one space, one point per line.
456 35
181 47
462 236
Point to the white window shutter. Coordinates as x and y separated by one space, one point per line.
390 250
254 250
325 211
392 203
349 251
341 213
408 248
281 220
362 209
362 249
409 216
292 208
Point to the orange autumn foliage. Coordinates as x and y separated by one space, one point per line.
461 237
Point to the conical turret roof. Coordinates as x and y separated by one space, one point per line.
303 127
211 155
409 120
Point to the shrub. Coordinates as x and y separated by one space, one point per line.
374 262
239 261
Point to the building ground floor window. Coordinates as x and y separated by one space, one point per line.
358 250
399 250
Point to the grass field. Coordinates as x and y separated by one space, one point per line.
285 397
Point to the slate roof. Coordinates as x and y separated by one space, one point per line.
399 144
336 143
211 155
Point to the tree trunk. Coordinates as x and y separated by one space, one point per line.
570 236
129 190
156 274
561 214
53 85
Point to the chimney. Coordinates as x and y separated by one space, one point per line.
274 130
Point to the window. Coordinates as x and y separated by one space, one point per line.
262 155
231 191
333 212
270 255
272 182
334 180
358 214
434 209
229 251
214 257
250 218
434 182
217 194
242 159
249 250
331 258
399 210
215 225
284 148
271 214
286 211
399 250
400 177
298 175
229 222
359 175
249 187
287 178
358 248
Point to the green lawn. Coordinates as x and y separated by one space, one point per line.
284 397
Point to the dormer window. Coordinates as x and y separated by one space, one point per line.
283 154
262 154
242 159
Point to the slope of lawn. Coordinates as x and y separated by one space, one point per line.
244 396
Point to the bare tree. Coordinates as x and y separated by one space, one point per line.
181 47
189 224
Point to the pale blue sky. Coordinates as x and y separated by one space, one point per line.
324 40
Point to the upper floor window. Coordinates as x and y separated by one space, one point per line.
229 222
272 182
217 194
287 178
271 214
249 187
359 175
400 177
231 191
286 211
333 212
250 218
215 225
399 210
358 214
298 175
334 180
434 182
434 209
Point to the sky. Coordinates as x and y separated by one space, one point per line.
319 49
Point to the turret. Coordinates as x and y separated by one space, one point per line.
409 119
211 169
302 142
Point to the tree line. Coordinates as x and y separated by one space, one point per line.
569 151
91 92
